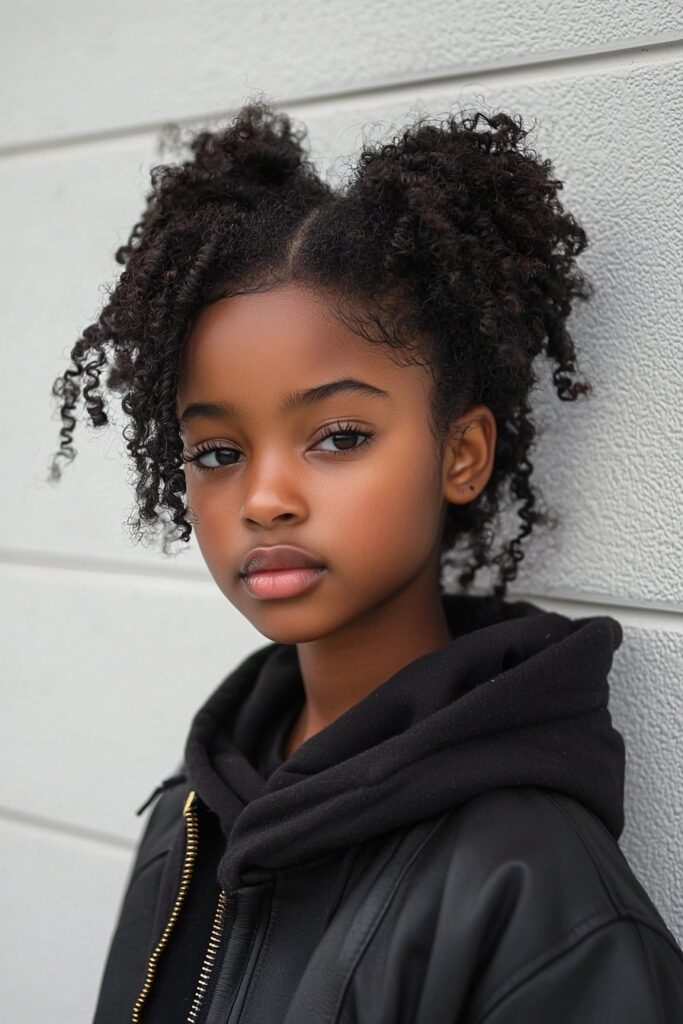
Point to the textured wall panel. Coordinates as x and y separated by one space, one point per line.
81 67
59 904
106 672
646 698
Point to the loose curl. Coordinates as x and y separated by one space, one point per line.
448 244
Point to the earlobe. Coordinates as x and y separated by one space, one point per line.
468 459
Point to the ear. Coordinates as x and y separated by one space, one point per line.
468 455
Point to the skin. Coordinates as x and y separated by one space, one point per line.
372 511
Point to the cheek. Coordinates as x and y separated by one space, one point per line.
393 504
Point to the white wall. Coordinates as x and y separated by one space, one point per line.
109 648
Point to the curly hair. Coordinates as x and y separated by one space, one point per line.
448 244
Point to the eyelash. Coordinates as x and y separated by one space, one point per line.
332 429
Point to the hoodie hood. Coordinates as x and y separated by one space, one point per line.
517 698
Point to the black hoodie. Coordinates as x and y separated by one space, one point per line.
517 699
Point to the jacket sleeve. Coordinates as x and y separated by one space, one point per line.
623 972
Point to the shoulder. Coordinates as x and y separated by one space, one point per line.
548 847
538 896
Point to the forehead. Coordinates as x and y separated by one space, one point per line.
280 340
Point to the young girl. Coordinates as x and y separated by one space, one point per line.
406 806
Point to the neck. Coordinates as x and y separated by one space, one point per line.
341 669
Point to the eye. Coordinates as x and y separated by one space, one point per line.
220 452
346 430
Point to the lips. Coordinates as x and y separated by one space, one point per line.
280 556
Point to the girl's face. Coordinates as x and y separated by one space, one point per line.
367 501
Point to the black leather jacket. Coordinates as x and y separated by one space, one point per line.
445 852
515 908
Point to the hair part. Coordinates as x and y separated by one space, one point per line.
447 243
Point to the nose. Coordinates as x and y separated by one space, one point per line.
272 492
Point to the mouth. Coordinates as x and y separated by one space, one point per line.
278 583
278 556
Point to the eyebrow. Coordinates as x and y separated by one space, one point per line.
291 403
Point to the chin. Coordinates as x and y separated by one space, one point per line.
290 625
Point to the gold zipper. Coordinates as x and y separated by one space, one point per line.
191 846
212 949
